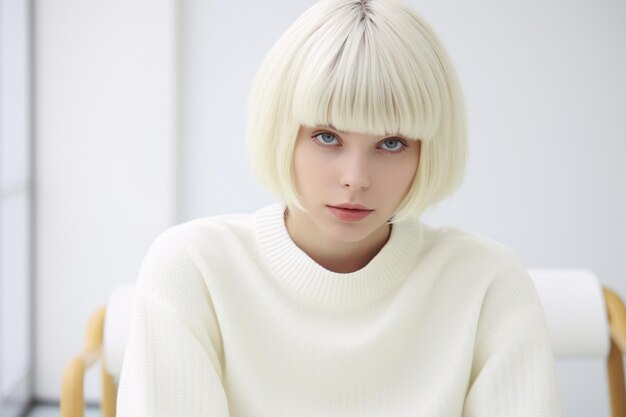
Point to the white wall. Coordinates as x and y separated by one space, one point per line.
546 102
16 196
105 133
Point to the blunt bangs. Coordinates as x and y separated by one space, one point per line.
357 74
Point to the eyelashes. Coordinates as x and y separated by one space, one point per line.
321 135
389 145
400 145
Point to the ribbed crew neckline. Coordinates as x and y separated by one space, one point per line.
294 269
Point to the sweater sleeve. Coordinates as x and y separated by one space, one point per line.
513 372
173 358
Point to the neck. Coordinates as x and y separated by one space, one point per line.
332 254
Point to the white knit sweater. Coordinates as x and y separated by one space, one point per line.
231 318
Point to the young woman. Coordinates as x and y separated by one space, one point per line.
338 300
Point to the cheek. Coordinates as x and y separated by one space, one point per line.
409 182
307 169
398 178
411 170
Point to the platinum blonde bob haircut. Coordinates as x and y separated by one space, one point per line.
368 66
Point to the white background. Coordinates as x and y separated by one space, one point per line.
16 198
124 84
105 108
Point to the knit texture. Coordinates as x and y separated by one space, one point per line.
231 318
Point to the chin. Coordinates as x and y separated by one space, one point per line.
350 232
342 236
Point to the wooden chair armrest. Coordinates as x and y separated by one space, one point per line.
617 318
617 327
72 395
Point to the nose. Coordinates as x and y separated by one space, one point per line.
354 173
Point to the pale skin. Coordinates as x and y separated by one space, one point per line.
334 167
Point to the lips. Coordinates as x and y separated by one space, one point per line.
350 214
352 206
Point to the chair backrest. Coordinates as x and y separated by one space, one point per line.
575 310
587 327
117 321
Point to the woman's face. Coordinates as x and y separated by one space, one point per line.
334 168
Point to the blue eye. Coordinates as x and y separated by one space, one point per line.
394 145
325 138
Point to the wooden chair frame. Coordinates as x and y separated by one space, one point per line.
72 396
615 367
